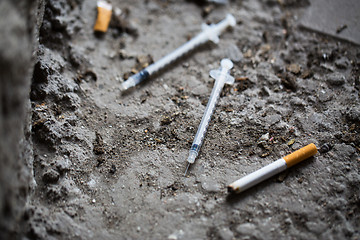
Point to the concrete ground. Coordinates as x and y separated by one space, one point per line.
109 165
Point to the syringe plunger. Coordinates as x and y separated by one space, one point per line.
221 77
210 32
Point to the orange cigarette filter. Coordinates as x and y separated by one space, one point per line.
103 17
273 168
300 155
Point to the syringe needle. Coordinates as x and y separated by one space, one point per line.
186 169
221 77
210 32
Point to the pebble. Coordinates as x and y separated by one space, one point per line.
324 95
225 233
339 188
272 119
326 147
246 229
335 79
316 227
176 235
342 63
63 164
55 192
294 68
210 205
353 114
210 186
51 176
264 138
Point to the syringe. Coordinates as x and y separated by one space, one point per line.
210 32
221 77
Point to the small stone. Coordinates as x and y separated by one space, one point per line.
339 188
112 169
248 53
264 138
335 79
246 229
172 237
51 176
325 148
307 74
291 142
294 68
225 233
210 186
324 95
342 63
288 80
288 221
63 164
56 192
316 227
282 176
353 114
272 119
176 235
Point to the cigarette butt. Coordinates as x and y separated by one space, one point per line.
273 168
300 155
103 17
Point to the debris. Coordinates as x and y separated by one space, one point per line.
112 169
263 49
98 145
289 81
341 28
238 79
120 21
143 61
51 176
335 79
166 120
248 53
264 138
270 170
210 32
306 74
88 76
207 10
282 176
104 16
291 142
294 68
210 186
342 63
325 148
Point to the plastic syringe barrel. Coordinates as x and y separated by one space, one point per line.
222 78
209 33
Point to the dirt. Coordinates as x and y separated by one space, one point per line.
109 165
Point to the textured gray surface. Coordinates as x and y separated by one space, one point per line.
110 166
329 16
